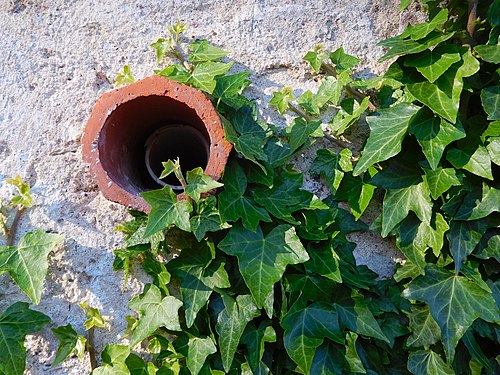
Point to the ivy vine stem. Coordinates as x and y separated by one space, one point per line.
11 233
91 350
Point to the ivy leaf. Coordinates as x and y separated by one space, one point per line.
440 180
434 134
472 158
203 75
124 77
426 362
15 323
69 342
207 219
434 98
490 98
491 249
285 197
342 60
357 192
166 211
162 46
494 150
229 87
202 51
234 205
281 99
425 330
489 53
324 262
114 354
315 58
464 237
199 348
199 182
306 329
350 113
398 202
155 312
432 64
330 90
355 315
300 130
388 128
24 198
175 72
422 30
262 259
255 338
329 360
352 356
454 302
231 324
94 318
278 152
330 165
490 202
27 262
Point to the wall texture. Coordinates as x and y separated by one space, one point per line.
58 56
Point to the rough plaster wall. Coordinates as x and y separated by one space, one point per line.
58 56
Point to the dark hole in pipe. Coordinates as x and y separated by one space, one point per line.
164 126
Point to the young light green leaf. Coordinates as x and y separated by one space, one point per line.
434 134
352 356
24 198
489 53
175 72
494 149
434 98
113 354
490 98
155 312
262 259
398 202
306 329
440 180
201 51
472 158
207 219
15 323
464 237
124 77
432 64
166 211
234 205
281 99
454 301
231 324
27 262
199 348
94 318
388 128
203 75
350 113
199 182
169 167
425 330
162 46
316 57
69 342
426 362
342 60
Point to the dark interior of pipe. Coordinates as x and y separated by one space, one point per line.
132 126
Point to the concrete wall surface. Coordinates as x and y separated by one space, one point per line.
58 56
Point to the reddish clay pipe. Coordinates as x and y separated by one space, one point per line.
121 122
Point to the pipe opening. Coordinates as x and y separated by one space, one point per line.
141 133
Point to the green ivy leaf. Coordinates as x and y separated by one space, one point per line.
454 301
329 165
229 87
329 360
426 362
434 98
114 354
464 237
306 329
472 158
440 180
15 323
490 202
434 134
352 356
231 324
69 342
315 58
162 46
329 91
494 150
342 60
278 152
27 262
155 312
166 211
254 338
350 113
300 130
489 53
423 29
94 318
175 72
425 330
285 197
357 192
124 77
204 73
388 128
207 219
324 262
199 182
490 98
398 202
281 99
491 249
432 64
199 348
202 51
24 198
262 259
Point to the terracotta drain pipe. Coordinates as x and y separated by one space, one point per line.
131 130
